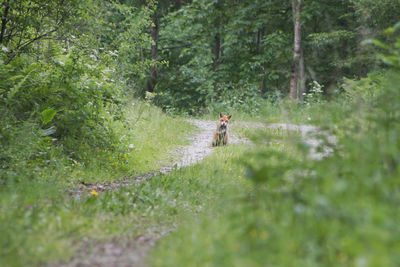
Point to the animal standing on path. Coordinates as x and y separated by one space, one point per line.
221 134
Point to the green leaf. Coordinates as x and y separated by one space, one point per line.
16 88
381 45
49 131
47 115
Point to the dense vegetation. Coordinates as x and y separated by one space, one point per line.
338 211
100 90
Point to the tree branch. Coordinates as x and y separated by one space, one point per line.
27 43
4 21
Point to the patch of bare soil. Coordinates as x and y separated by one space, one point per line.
116 252
134 252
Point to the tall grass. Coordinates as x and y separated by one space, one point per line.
339 211
41 223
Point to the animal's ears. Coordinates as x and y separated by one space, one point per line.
221 115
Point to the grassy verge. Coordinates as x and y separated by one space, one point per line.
289 211
146 139
339 211
41 224
230 228
324 113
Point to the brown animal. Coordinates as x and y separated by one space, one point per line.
221 134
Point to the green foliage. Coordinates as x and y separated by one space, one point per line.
341 210
215 48
67 69
145 140
376 14
73 85
366 89
25 23
315 94
63 75
44 219
338 211
325 39
123 29
192 82
326 212
47 115
391 53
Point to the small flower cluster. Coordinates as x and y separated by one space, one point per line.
315 93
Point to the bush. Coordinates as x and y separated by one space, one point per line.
57 102
344 208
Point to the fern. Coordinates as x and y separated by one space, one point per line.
18 86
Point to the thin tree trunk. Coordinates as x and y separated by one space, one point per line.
216 47
361 48
154 30
4 21
178 4
216 50
297 75
262 86
258 40
293 83
259 36
222 47
302 76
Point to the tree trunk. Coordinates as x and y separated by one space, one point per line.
216 50
258 40
222 48
293 83
4 21
154 30
262 86
297 76
178 4
302 77
259 36
216 47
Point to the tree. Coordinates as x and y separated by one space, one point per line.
24 23
297 79
159 9
154 32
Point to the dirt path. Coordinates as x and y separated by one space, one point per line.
199 147
134 252
200 144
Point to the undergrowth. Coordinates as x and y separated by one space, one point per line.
41 223
341 210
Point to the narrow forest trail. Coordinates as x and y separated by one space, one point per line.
134 252
198 148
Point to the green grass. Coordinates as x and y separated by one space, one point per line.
145 139
40 223
325 114
263 205
339 211
230 229
45 225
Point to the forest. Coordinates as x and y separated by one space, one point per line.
109 108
